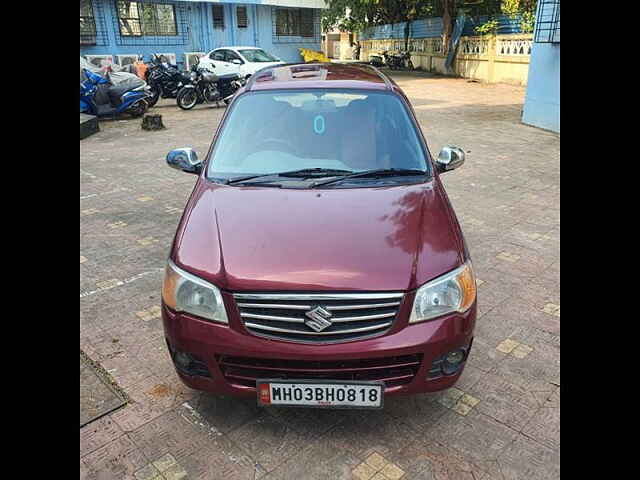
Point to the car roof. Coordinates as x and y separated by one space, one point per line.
320 75
237 48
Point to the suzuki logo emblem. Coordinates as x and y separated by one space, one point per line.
318 319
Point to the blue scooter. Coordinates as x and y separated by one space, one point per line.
98 96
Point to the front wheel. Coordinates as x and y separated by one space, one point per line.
187 98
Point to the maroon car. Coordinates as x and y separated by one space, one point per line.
318 260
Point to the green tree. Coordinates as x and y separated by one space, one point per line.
357 15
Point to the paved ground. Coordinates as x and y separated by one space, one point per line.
502 422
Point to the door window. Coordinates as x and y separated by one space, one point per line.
231 55
218 55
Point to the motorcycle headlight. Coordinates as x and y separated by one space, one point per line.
452 292
193 76
184 292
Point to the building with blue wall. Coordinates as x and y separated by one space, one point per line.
125 28
542 101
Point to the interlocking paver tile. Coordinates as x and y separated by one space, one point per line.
147 241
507 345
363 436
526 458
508 257
376 461
363 472
164 462
149 314
319 461
118 459
174 472
477 437
504 401
118 224
545 426
97 434
392 472
521 351
149 472
507 199
552 309
450 397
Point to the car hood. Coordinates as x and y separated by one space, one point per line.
366 239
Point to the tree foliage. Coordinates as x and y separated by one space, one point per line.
357 15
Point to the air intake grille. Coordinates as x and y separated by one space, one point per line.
394 371
318 318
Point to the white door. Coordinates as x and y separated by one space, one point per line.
218 59
231 57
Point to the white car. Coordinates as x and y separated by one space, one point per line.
245 61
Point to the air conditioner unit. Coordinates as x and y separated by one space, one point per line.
100 60
171 57
127 59
191 58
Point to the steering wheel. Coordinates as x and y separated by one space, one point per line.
277 143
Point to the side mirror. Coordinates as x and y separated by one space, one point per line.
236 61
184 159
449 158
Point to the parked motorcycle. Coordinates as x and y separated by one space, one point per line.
207 87
376 60
398 62
164 79
101 97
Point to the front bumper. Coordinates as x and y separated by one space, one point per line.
209 341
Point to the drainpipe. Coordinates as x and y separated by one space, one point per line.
233 23
255 25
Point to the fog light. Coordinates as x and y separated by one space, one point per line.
452 361
182 359
455 357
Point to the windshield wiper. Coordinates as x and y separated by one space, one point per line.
378 172
303 172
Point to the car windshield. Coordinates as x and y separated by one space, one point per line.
340 130
257 55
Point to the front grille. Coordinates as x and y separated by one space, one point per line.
394 371
345 316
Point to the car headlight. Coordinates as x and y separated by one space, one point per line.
452 292
184 292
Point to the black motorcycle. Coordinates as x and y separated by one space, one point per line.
398 62
164 79
207 87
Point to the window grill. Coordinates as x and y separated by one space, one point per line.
295 25
547 28
241 13
154 23
92 27
218 16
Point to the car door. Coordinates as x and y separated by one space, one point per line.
230 57
219 61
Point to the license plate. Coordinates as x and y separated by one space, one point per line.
322 394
